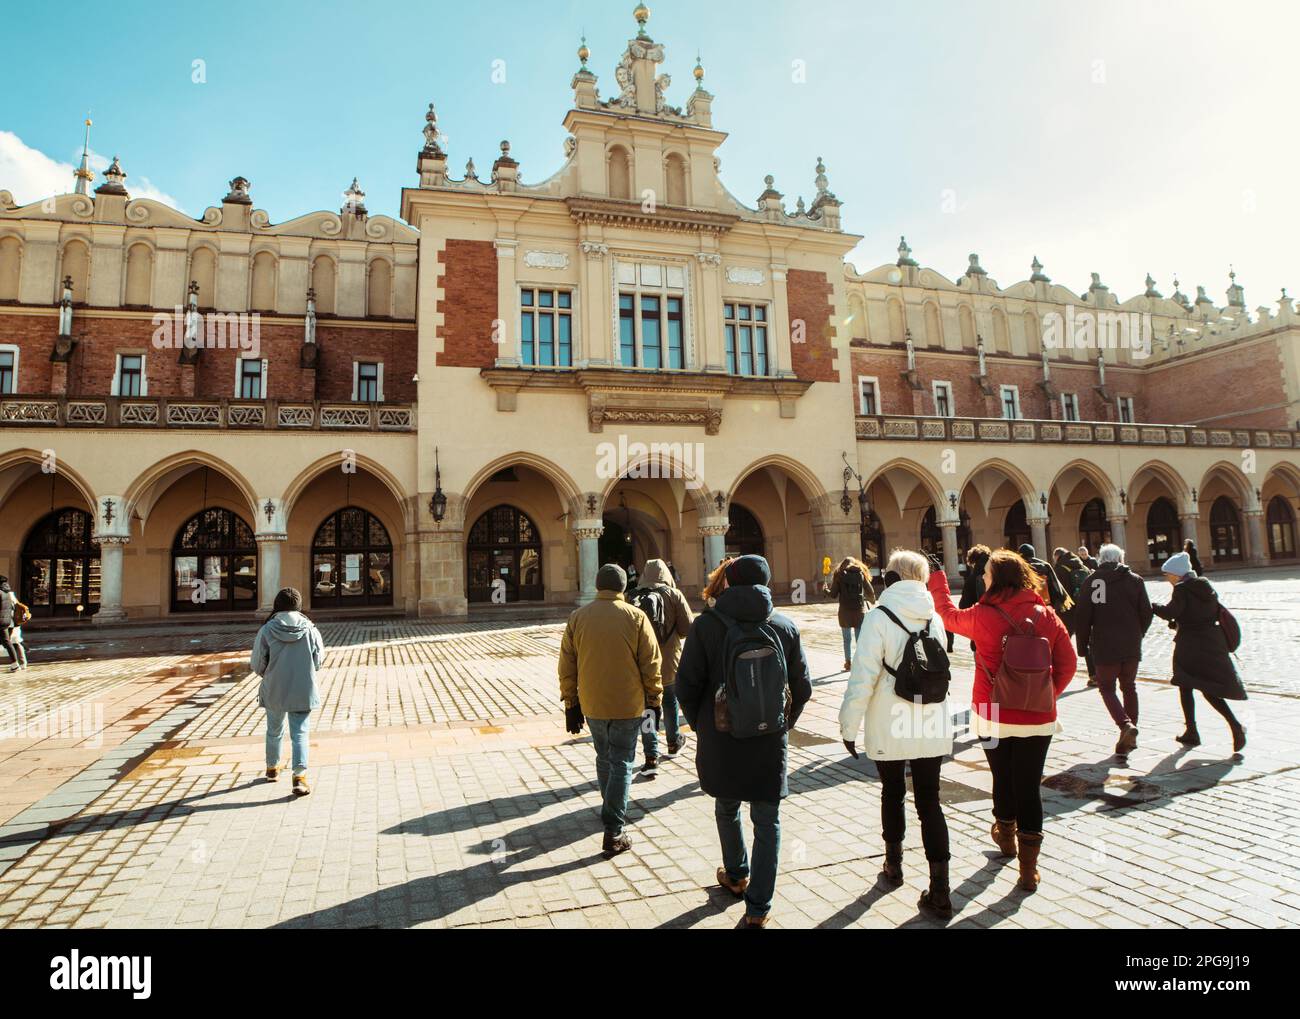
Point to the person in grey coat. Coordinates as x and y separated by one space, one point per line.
287 654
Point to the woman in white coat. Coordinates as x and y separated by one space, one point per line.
897 732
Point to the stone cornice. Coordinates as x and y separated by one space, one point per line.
619 212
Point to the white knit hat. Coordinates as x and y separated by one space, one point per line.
1179 564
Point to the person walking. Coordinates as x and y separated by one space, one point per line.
1112 616
610 669
1017 738
8 610
1201 657
287 654
1072 574
972 585
1050 586
670 617
1087 558
732 768
899 735
1189 547
851 584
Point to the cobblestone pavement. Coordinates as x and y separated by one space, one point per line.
446 793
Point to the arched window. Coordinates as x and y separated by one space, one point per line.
620 172
351 561
933 330
1094 528
1164 532
1033 336
139 276
504 544
966 320
1225 531
873 544
379 289
61 565
675 180
1001 338
744 535
897 327
263 288
11 256
1016 529
931 534
214 563
322 281
1281 529
76 263
857 317
203 271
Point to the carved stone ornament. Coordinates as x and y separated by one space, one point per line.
593 250
745 276
546 259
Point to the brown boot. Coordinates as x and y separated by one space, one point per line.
936 899
1030 843
892 871
1004 835
736 888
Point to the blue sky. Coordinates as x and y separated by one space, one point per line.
1110 137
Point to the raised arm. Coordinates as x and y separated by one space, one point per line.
955 620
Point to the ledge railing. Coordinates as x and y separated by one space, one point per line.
181 412
939 429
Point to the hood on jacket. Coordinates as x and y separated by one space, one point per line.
1113 571
1016 599
656 572
748 602
288 626
909 601
1198 587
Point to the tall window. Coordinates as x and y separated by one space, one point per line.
252 378
1070 406
546 327
651 325
368 382
873 543
868 396
1094 527
61 565
1016 529
1281 529
8 370
943 402
214 563
1126 410
745 535
351 561
745 326
1164 531
504 544
1225 531
130 380
931 534
1010 402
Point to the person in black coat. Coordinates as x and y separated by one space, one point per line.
1201 658
734 770
1056 593
1189 547
1112 615
972 585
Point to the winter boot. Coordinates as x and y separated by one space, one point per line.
1238 738
892 871
1004 835
935 900
1190 738
1030 843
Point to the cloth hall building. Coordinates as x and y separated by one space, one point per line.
524 378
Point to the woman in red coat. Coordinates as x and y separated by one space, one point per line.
1016 741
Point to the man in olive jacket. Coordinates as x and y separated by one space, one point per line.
610 670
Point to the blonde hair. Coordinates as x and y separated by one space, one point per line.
908 565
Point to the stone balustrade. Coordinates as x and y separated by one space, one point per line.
1068 432
179 412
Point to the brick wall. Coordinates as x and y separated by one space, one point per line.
468 304
1229 388
90 372
808 296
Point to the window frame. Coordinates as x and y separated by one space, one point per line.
555 312
115 389
731 326
1014 390
665 293
943 385
356 381
12 389
239 378
1125 410
1070 409
874 382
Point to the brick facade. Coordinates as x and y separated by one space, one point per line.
1237 387
468 305
808 296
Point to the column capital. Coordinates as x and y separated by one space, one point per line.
714 526
266 536
585 530
111 539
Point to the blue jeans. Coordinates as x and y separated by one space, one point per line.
615 742
848 633
672 724
767 850
297 738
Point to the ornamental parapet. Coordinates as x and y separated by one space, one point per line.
1070 432
170 412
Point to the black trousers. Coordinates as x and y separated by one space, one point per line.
1017 764
1217 703
925 793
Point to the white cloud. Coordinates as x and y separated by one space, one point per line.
32 175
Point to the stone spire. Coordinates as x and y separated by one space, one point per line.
641 87
431 146
113 178
975 269
1151 290
354 201
1179 296
82 175
825 204
1036 267
1236 294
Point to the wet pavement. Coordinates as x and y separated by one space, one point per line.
446 793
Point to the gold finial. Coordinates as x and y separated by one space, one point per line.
583 52
642 15
699 69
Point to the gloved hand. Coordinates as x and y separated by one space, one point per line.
851 747
573 719
659 715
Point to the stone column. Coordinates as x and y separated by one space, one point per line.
1256 550
442 572
268 569
1038 533
837 537
1189 523
714 533
588 533
1119 533
110 580
951 564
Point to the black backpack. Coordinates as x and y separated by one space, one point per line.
754 696
923 673
653 602
851 583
